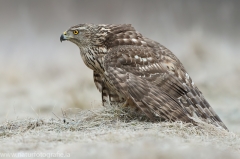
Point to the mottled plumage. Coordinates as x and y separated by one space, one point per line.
132 70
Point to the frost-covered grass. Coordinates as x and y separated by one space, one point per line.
114 133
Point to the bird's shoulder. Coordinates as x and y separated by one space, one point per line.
145 57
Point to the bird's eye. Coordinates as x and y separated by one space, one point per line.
75 32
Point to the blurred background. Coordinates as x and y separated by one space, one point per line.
39 75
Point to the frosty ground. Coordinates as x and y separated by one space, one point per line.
114 133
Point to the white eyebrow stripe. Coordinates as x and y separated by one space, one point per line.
79 28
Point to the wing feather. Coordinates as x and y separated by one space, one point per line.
150 99
157 82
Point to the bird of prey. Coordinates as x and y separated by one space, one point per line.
132 70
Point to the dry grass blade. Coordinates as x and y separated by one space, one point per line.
112 125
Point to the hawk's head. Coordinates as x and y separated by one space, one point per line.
85 35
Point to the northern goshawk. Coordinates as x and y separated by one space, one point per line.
132 70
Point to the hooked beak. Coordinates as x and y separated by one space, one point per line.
64 37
